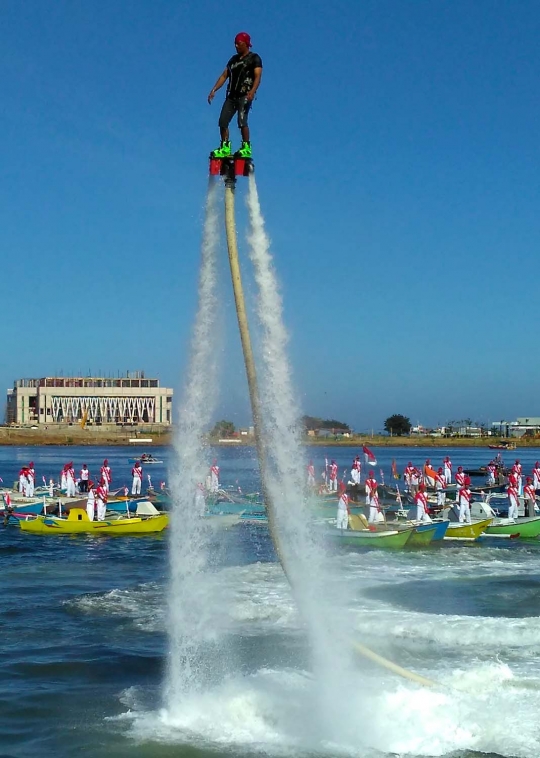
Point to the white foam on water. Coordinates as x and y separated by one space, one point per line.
274 711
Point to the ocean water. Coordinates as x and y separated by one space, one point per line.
83 648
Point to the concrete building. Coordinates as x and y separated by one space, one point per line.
524 425
130 399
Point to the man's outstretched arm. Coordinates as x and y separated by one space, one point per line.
218 85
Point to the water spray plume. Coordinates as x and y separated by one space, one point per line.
189 601
301 555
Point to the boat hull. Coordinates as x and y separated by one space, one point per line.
392 540
467 531
527 528
79 523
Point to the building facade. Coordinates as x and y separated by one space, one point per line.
132 399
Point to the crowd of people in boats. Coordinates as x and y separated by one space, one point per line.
73 483
419 481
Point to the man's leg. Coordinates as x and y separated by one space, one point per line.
227 112
244 106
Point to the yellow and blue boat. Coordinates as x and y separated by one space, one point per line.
77 522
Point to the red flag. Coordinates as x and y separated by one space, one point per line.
369 457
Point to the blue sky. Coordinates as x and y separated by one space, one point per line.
397 161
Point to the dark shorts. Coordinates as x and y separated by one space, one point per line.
240 105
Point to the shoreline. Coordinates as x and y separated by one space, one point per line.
75 436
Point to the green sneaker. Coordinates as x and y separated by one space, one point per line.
245 150
223 151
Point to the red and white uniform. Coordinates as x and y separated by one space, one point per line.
137 474
91 505
421 506
408 475
447 470
333 477
460 478
513 501
31 477
517 469
356 472
491 471
7 499
311 475
63 478
23 482
513 480
101 501
342 519
106 475
440 486
70 482
536 477
529 493
465 505
214 477
372 500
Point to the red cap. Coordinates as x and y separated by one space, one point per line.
243 37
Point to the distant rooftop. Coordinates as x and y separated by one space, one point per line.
129 379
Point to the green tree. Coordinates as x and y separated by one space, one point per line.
398 424
223 430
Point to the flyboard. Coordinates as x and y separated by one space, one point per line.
230 169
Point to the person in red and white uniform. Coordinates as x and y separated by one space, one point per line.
342 518
137 474
447 470
333 476
106 475
214 476
63 477
408 474
491 472
85 476
440 487
529 493
372 498
71 489
513 501
513 479
91 502
536 475
23 481
31 476
422 504
460 477
464 494
101 500
356 471
311 475
517 469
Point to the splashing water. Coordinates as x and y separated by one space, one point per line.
304 556
191 588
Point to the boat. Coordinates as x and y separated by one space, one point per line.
502 445
394 539
145 458
77 522
464 531
527 527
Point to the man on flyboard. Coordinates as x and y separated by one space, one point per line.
243 76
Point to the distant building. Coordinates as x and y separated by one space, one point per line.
131 399
524 425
